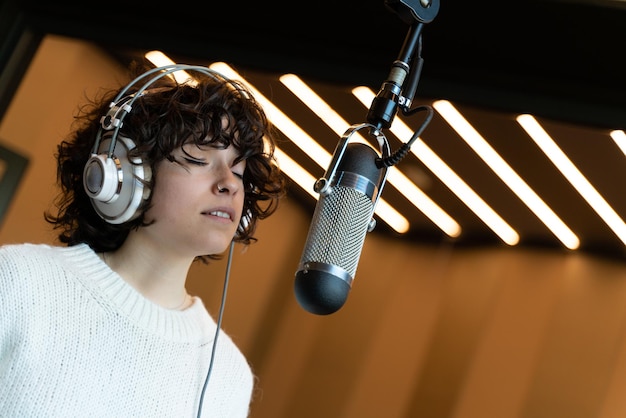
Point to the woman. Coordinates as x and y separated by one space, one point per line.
155 176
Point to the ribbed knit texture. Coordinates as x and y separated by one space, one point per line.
77 341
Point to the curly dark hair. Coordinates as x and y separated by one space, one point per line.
169 115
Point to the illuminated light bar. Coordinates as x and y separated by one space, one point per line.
573 175
507 174
159 59
619 137
303 178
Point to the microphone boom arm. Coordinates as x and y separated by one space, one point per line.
396 90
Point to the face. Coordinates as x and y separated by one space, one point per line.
197 201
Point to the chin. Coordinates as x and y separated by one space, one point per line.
218 246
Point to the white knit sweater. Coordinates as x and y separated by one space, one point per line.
77 341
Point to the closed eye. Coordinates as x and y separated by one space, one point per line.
202 163
194 162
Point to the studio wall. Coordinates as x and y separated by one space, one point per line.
429 330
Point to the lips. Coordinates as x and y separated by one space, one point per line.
220 214
224 213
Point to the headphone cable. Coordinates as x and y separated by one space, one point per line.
219 325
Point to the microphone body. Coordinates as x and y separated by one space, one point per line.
342 217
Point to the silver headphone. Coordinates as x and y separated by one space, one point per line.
115 184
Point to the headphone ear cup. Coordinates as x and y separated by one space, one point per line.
101 178
243 223
115 185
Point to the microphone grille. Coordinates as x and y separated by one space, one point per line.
338 229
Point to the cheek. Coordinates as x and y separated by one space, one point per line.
169 197
239 200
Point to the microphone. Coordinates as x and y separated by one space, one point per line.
356 175
343 215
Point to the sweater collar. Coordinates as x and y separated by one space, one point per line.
191 324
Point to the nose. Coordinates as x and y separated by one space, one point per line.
227 182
